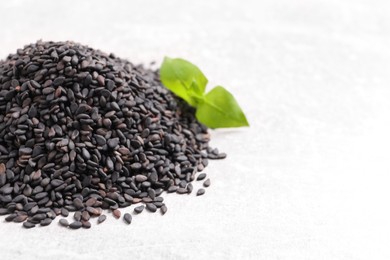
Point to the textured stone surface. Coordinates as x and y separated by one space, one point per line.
308 180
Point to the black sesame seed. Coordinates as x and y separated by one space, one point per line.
116 213
189 188
78 203
151 207
201 177
182 191
86 224
101 219
64 212
28 225
200 192
77 216
64 222
139 209
135 166
46 222
140 178
75 225
163 209
3 211
11 217
172 189
127 218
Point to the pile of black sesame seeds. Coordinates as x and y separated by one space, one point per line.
86 132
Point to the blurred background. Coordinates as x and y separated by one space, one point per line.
308 180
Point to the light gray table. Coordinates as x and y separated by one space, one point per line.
308 180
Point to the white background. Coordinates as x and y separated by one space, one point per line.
308 180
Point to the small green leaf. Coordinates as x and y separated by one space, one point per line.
216 109
184 79
220 109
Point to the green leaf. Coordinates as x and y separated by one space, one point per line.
184 79
216 109
220 109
